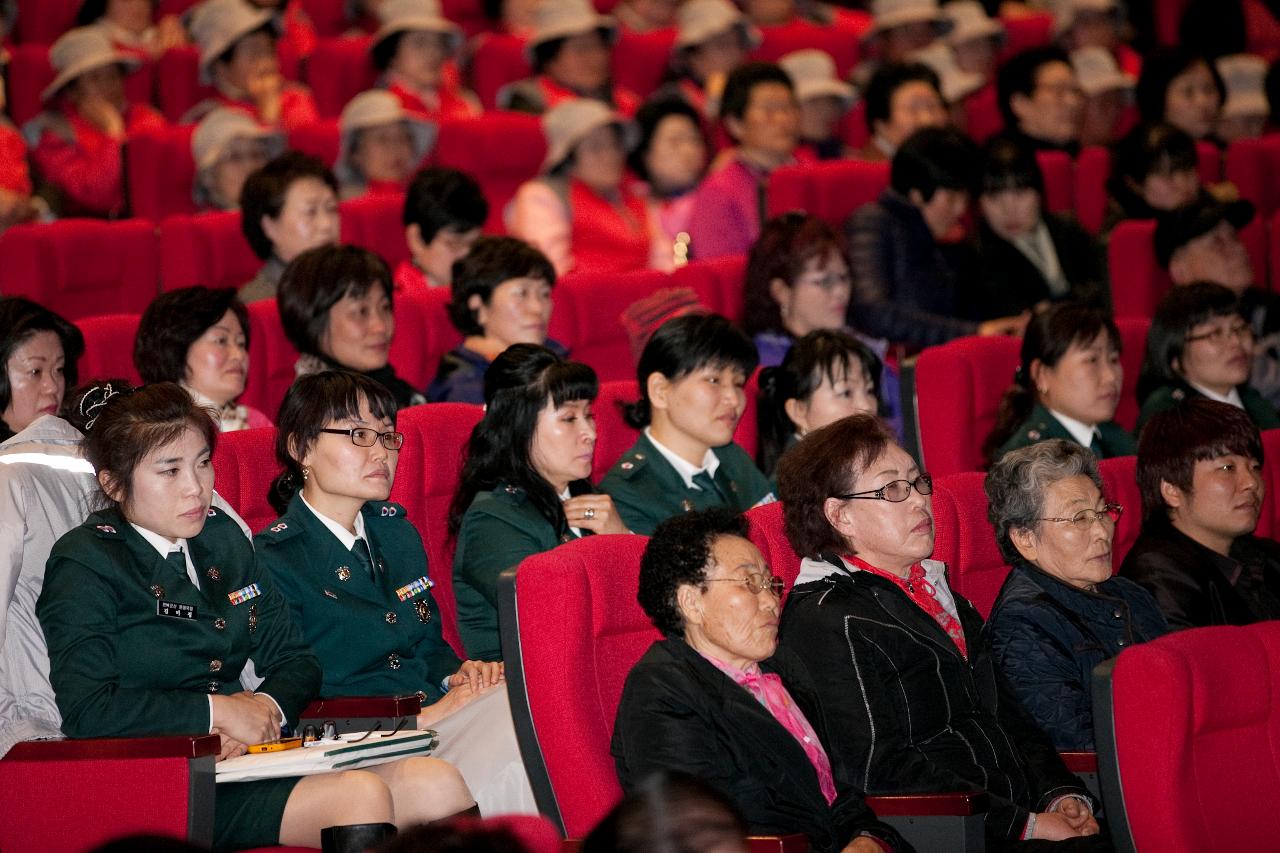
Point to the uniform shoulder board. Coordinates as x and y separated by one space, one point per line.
278 531
510 494
107 531
631 463
384 509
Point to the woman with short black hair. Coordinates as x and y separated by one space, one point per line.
670 156
39 352
444 211
198 337
1181 87
1155 168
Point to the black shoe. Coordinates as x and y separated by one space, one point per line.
355 837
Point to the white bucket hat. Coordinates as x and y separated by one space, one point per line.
956 83
813 73
80 50
698 21
1097 72
1066 11
216 25
221 127
1244 75
554 19
398 16
374 108
887 14
970 21
570 122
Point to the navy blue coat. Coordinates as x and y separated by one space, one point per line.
1047 636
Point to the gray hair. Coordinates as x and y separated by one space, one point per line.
1016 486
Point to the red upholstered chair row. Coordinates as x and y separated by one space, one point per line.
108 347
829 190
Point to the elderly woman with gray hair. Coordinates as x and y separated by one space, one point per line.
1060 612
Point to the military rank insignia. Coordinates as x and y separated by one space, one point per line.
253 618
244 594
417 587
423 609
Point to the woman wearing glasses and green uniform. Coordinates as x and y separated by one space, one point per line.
900 664
353 571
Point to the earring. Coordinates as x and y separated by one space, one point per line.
306 472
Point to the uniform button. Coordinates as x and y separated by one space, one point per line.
215 666
422 696
393 661
214 574
1120 643
213 687
1118 614
390 617
220 623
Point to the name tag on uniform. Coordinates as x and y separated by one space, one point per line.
417 587
244 594
174 609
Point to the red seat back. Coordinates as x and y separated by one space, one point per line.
982 114
965 540
338 70
1059 180
423 334
426 479
206 249
1137 280
180 88
830 190
958 391
319 139
500 150
498 60
1269 521
108 347
373 222
640 60
271 359
1133 341
1093 167
328 17
779 40
244 464
1026 31
1120 478
769 533
82 267
160 173
728 280
44 20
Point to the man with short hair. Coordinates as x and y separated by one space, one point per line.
444 211
1041 100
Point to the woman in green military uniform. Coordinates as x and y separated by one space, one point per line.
153 607
692 373
524 487
1201 345
1067 385
353 571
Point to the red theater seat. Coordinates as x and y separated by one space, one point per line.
1059 180
1188 731
1120 477
271 359
500 150
180 88
160 172
373 222
769 534
965 541
982 114
1133 340
108 347
244 464
958 390
728 278
1026 31
29 72
1093 167
319 139
498 60
640 60
44 20
830 190
1269 522
206 249
338 70
82 267
423 334
838 42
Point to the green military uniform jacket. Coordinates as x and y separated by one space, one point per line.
373 637
646 490
1166 397
136 649
500 528
1042 426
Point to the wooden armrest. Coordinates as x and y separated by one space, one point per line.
363 706
177 746
794 843
961 803
1080 762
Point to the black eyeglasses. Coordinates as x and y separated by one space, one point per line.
1219 336
895 492
366 437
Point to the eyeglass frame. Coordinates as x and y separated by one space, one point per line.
1243 332
879 494
1099 516
775 584
379 436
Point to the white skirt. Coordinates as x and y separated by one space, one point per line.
480 740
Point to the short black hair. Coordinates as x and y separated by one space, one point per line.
548 50
935 158
743 80
1180 311
316 280
1010 165
678 553
647 120
384 52
684 344
444 199
491 261
264 192
1153 149
20 319
176 320
1019 76
888 79
1159 69
669 811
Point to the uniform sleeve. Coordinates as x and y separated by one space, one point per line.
636 512
291 672
490 546
539 217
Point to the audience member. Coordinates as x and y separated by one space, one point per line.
501 296
901 98
288 206
525 485
670 811
569 50
199 338
131 27
1106 90
760 112
1028 257
412 50
900 663
77 142
381 145
955 86
228 146
901 27
691 376
671 158
824 101
712 39
39 352
335 307
1199 469
584 213
444 211
1067 385
692 703
1201 345
1155 168
1083 24
646 16
297 33
1060 613
1040 100
1182 88
975 37
1244 109
16 203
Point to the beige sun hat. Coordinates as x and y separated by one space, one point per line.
554 19
1065 12
80 50
371 109
221 127
1097 71
1244 76
216 25
956 83
398 16
570 122
970 21
698 21
813 72
887 14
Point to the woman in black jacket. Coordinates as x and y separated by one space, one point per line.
898 660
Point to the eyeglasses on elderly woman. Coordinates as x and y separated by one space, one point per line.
1085 518
895 491
756 582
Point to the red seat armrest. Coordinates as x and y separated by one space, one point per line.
363 706
178 746
958 803
1080 762
794 843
